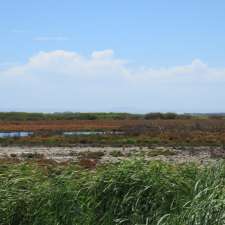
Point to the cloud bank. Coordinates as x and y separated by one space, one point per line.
62 80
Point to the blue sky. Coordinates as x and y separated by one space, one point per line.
149 40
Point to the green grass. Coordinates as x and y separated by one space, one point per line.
130 193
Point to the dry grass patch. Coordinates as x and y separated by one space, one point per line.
91 155
164 152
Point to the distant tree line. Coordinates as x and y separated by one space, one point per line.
24 116
167 116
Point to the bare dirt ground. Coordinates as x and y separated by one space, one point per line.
104 155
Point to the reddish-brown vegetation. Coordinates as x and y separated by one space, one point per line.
62 125
132 125
136 132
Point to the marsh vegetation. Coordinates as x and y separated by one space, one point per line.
130 192
111 169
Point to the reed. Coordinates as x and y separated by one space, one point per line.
131 192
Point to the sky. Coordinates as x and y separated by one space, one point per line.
115 55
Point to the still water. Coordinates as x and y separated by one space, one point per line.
15 134
86 133
68 133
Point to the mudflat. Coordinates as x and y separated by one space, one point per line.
113 154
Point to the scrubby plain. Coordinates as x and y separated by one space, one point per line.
139 131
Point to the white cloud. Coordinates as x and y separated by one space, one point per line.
106 54
63 80
4 65
51 38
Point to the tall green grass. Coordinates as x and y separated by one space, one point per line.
130 193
